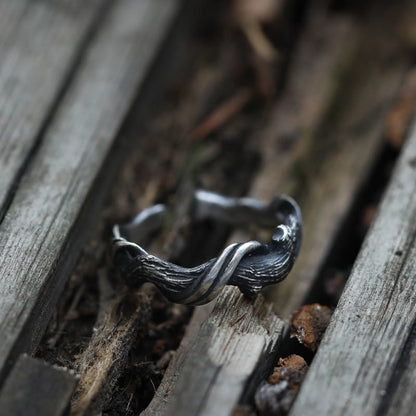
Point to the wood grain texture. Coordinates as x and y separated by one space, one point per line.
231 348
363 365
40 42
36 388
41 234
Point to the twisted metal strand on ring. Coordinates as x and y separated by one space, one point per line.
250 266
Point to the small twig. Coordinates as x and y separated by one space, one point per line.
116 326
221 115
236 321
259 41
153 384
129 402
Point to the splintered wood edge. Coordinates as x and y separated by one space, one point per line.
229 352
366 361
101 364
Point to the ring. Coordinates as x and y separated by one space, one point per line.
250 266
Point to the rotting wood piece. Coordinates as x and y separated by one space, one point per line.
102 363
309 323
36 388
365 361
231 347
49 217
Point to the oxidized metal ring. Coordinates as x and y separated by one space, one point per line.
250 265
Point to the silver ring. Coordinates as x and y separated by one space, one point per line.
250 265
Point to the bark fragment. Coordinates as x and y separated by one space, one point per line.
309 323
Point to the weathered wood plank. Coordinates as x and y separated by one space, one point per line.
40 43
46 222
337 129
322 56
229 351
334 190
322 61
362 364
36 388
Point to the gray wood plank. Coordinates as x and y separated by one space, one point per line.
230 350
340 96
363 364
39 44
36 388
323 60
41 234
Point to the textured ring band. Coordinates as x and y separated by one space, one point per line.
250 266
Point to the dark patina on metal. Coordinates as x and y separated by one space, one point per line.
250 265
